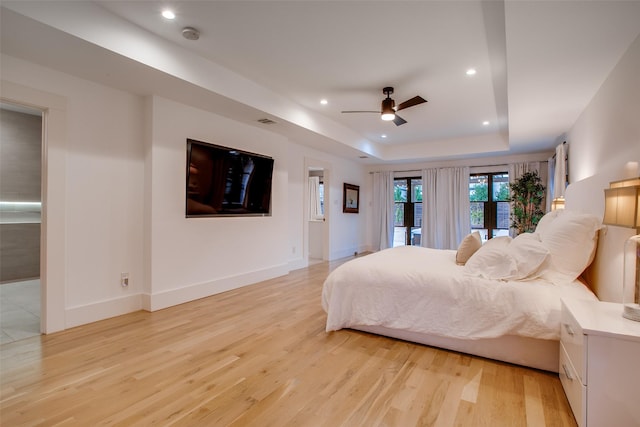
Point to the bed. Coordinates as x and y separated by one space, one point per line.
499 300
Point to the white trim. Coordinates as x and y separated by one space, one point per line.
168 298
84 314
53 256
298 263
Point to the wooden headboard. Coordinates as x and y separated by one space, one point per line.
604 275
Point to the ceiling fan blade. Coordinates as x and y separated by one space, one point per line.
361 111
399 120
416 100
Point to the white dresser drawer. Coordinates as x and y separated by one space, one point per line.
573 339
574 389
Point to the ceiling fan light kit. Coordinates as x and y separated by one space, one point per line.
388 112
388 108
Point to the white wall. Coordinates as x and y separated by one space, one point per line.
195 257
101 190
607 133
349 232
604 138
119 202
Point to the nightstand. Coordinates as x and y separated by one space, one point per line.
600 363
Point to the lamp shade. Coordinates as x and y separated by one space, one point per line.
622 206
557 203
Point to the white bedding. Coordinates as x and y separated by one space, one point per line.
423 290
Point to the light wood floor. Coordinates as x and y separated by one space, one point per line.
259 356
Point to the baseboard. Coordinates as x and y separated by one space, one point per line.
297 264
81 315
344 253
169 298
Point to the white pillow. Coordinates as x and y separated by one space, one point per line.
468 247
546 220
505 259
530 255
491 262
498 241
571 238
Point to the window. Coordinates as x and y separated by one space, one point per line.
408 211
490 209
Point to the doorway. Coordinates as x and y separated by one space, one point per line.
317 211
407 195
20 221
316 214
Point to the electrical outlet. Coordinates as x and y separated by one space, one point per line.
124 279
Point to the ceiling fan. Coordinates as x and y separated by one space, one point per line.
388 109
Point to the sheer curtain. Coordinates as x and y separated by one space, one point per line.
446 211
551 171
383 210
516 170
560 172
557 175
315 209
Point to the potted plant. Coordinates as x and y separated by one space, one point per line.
527 193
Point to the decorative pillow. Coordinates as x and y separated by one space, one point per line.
468 247
571 238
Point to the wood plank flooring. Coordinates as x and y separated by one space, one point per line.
259 356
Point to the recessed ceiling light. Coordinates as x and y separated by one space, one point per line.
324 102
471 72
383 136
485 123
168 14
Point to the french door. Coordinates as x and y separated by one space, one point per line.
489 200
407 194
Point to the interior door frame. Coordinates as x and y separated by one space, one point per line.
314 164
53 255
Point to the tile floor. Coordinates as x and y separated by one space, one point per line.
19 310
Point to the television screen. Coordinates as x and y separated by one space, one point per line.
223 181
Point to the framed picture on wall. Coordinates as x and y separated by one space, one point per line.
351 198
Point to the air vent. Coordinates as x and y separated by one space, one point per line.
364 157
266 121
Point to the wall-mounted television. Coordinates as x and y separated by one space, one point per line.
223 181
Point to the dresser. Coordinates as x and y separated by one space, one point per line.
600 364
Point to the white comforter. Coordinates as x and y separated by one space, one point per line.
423 290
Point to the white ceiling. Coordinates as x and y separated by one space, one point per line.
538 64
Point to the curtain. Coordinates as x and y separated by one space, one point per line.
551 171
560 172
516 170
383 205
429 236
446 208
315 209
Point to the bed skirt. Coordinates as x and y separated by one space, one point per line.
530 352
